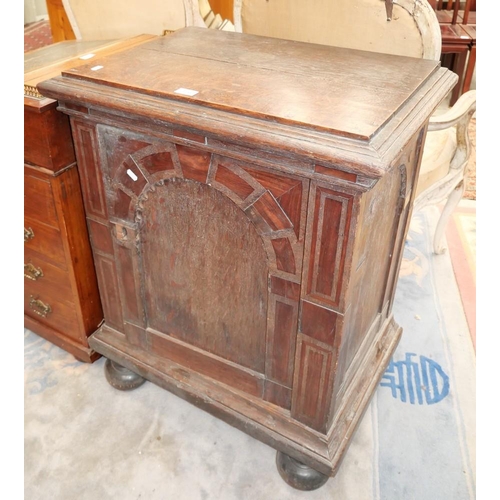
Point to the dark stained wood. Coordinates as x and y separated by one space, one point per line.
282 327
233 182
47 138
52 281
285 258
205 273
312 382
108 290
318 322
194 163
300 89
247 239
277 394
271 212
212 366
456 44
47 240
330 216
92 184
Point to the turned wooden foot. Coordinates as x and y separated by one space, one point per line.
298 475
122 378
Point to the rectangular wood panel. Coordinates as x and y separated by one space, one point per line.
91 176
47 240
47 139
318 322
109 292
38 198
46 278
328 232
282 327
61 315
312 383
129 281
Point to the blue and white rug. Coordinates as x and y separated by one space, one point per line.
85 440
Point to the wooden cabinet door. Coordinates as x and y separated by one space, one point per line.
206 257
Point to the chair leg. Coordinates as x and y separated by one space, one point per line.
448 209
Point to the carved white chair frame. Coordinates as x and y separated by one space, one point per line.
192 15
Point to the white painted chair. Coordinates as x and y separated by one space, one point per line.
363 24
114 19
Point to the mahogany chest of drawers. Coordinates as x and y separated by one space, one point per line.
248 200
61 299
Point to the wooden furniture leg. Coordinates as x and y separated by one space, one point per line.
297 474
122 378
455 40
470 69
459 63
471 64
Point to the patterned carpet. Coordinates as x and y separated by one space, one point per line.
461 239
37 35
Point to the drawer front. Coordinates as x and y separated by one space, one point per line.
60 316
43 278
38 200
47 139
45 240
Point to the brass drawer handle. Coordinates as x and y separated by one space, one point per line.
40 307
31 272
28 234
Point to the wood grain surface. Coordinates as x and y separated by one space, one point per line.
251 75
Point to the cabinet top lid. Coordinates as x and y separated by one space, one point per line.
346 92
49 61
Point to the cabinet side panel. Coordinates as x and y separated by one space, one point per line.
382 226
378 219
410 168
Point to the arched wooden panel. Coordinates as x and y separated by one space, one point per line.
205 272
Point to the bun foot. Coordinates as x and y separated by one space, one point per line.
122 378
298 475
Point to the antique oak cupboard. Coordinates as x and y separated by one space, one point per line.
248 200
61 298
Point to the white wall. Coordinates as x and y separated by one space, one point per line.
34 10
